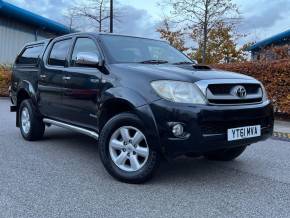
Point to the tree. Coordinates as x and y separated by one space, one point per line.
202 16
175 38
69 18
97 11
246 53
221 45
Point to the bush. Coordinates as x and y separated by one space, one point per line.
274 75
5 79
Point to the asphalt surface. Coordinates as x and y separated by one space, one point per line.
62 176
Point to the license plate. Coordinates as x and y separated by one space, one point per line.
244 132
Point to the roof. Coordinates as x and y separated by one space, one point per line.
94 34
132 36
274 39
44 41
30 18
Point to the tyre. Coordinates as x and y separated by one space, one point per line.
225 154
124 150
31 124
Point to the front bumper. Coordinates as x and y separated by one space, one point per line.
206 125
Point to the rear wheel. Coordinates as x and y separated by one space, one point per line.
31 125
225 154
124 149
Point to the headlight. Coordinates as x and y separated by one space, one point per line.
177 91
265 95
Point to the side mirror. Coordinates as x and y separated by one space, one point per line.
87 59
195 62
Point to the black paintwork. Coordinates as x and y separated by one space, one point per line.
83 99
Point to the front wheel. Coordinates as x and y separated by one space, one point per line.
124 149
225 154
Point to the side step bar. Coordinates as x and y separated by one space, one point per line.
72 127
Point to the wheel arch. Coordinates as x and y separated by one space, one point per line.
117 100
112 107
120 100
25 91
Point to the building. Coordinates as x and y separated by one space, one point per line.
19 26
275 47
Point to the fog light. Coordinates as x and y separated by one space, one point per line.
177 130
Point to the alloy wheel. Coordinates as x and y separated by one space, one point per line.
128 148
25 120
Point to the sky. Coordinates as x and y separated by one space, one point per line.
261 18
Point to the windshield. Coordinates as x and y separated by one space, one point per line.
125 49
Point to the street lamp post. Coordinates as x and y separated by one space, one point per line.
111 16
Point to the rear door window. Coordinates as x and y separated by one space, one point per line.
58 53
30 55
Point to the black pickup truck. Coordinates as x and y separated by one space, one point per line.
141 99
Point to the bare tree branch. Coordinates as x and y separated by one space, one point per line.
95 10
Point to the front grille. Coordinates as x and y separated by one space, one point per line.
224 93
221 127
224 89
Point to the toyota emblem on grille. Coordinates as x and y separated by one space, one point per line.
239 91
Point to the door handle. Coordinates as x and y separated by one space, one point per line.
66 78
42 76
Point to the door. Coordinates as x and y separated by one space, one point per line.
51 79
82 85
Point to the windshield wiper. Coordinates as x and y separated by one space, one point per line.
183 62
154 62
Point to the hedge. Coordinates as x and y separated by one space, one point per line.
5 77
275 76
